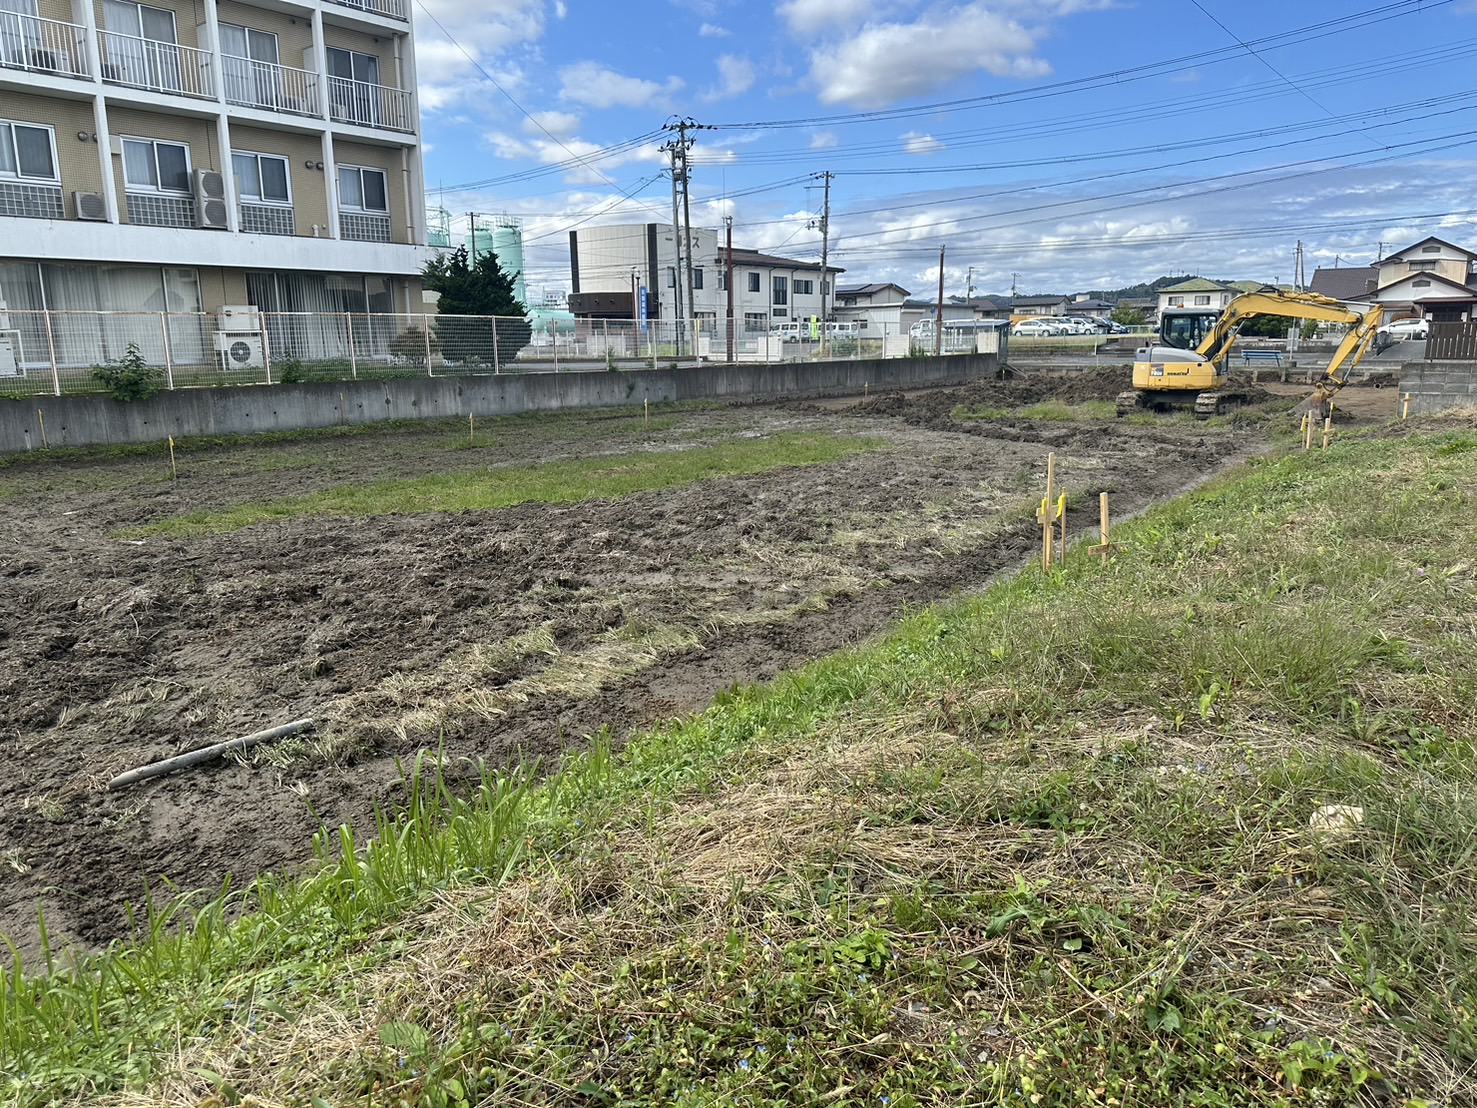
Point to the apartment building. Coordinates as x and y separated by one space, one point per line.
612 268
199 155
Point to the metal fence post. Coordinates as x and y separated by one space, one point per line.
56 381
496 367
554 335
168 361
426 328
353 354
266 348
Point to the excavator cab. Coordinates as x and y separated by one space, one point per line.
1185 329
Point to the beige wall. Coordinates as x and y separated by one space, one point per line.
56 9
187 15
132 123
294 32
77 161
309 186
388 159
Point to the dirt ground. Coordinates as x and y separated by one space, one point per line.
504 634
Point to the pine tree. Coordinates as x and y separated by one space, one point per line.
471 290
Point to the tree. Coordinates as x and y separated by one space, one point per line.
470 289
1129 317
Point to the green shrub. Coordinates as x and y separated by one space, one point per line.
129 378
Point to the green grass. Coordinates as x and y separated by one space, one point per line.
1049 845
551 482
1051 410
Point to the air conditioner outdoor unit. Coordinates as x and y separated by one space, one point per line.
240 350
210 199
89 205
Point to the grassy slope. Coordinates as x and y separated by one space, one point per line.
1048 845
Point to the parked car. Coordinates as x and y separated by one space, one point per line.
1407 329
1034 328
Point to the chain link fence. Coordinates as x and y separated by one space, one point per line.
47 352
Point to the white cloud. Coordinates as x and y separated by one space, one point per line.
559 124
887 62
561 9
916 143
601 87
824 140
565 147
811 17
712 30
479 32
735 77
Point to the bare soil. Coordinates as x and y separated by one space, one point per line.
504 634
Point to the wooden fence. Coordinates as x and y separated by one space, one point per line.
1456 342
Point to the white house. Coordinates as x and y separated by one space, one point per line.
614 269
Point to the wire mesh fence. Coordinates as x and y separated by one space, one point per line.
57 352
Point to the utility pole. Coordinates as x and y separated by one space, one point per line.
671 149
1297 267
969 285
728 284
472 223
938 328
1013 279
825 226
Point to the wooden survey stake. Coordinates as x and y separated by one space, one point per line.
1105 548
1043 515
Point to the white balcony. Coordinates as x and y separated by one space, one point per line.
369 105
158 66
276 88
394 9
43 45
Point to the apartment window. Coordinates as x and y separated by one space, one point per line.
362 189
1176 301
26 152
261 178
697 278
1202 301
671 276
249 65
722 281
353 82
146 53
153 166
804 287
753 282
781 286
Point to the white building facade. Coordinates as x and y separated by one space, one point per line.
613 269
187 157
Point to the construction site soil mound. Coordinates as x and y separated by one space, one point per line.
497 635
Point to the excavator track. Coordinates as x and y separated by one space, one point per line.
1207 404
1129 402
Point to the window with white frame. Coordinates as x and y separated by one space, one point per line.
781 293
362 189
753 282
1202 301
150 165
27 152
261 178
804 287
1176 301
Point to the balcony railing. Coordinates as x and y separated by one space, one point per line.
369 105
395 9
158 66
364 228
31 201
42 45
155 210
277 88
267 219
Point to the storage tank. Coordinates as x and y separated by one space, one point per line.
507 244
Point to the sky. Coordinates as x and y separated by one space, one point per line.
1047 146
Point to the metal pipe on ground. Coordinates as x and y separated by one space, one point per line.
205 753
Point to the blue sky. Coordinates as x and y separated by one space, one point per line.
1054 145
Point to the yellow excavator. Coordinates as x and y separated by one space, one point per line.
1186 365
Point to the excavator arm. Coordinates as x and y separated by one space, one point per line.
1363 323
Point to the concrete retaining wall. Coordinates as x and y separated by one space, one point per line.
41 421
1437 386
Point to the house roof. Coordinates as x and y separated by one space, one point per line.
1400 254
1350 282
1197 284
1027 301
1442 288
869 290
1092 305
756 257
